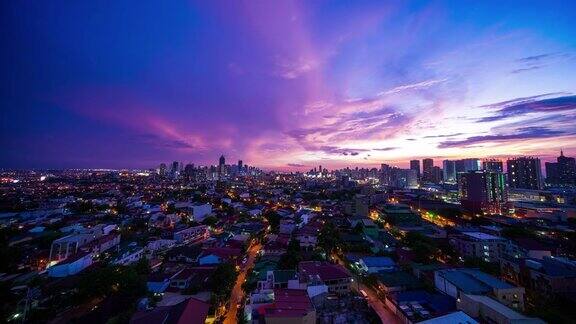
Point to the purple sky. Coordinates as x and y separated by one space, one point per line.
284 84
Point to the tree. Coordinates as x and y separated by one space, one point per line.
222 281
292 257
329 238
423 247
210 221
273 220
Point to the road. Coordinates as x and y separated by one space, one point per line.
385 314
237 292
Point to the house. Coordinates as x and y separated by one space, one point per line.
71 265
191 234
191 276
190 311
283 306
376 264
219 255
336 277
186 254
273 248
307 236
456 282
418 305
489 310
276 279
130 255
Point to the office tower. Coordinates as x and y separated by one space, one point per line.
239 165
189 171
396 177
427 165
162 169
493 165
221 166
415 165
562 172
465 165
385 174
449 171
482 191
174 170
524 173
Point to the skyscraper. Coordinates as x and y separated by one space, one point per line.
524 173
562 172
427 165
162 169
239 165
415 165
175 169
493 165
449 171
221 166
482 191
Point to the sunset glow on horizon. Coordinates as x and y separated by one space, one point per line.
285 85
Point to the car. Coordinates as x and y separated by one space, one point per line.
244 260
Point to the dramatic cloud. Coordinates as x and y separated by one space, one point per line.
521 134
523 106
282 84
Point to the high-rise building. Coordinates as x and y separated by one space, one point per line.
562 172
449 171
221 166
396 177
175 169
162 169
189 171
415 165
239 165
436 174
524 173
465 165
427 165
482 191
493 165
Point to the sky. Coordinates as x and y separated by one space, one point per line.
285 85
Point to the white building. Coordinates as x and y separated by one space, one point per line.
71 266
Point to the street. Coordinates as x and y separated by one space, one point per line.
385 314
237 292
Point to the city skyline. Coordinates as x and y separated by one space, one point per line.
285 86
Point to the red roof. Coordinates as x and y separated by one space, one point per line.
288 303
226 253
324 270
195 312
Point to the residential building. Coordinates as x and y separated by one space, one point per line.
415 165
562 172
482 191
336 277
524 173
478 245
